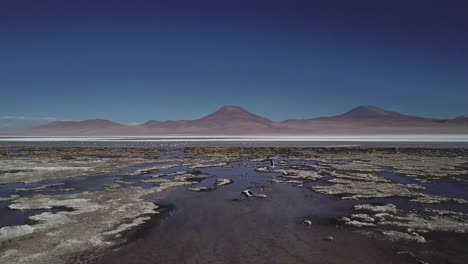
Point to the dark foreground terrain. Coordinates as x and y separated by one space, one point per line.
233 205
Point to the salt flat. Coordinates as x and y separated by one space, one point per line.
240 138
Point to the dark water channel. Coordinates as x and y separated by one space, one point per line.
223 226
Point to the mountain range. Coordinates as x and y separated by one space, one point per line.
234 120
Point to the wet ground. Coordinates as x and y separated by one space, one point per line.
219 224
224 226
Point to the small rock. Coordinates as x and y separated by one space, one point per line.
262 169
222 181
199 189
329 238
122 182
307 222
247 193
397 235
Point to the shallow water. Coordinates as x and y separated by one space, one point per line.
223 226
442 187
448 189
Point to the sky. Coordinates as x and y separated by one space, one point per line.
131 61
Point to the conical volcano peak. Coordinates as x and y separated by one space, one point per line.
231 108
230 112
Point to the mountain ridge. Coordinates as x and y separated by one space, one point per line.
231 119
370 111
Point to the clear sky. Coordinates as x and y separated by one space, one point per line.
131 61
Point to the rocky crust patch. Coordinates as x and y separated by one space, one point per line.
92 222
219 182
396 224
32 164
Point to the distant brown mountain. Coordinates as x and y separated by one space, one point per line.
371 119
151 123
460 119
228 119
367 112
85 124
234 120
233 115
85 127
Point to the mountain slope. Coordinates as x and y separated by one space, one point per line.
151 123
369 111
85 127
460 119
227 119
371 119
234 120
92 123
228 114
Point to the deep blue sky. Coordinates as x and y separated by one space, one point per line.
131 61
